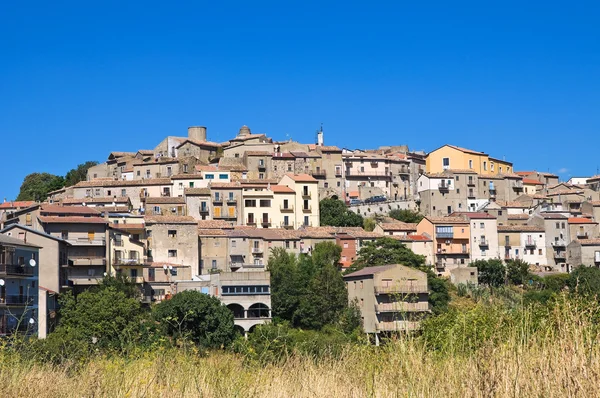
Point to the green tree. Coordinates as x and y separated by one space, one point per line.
286 283
196 316
333 212
326 253
79 173
36 186
121 283
407 215
490 272
585 281
517 272
369 224
106 318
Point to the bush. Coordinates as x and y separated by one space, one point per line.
194 316
585 281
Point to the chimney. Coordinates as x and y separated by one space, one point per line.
197 133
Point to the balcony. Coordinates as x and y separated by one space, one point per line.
470 182
136 279
18 300
217 199
16 270
318 173
444 252
560 255
368 173
484 243
338 172
306 195
238 265
262 166
444 235
257 250
87 261
166 194
559 243
123 262
286 209
530 243
404 170
471 194
402 307
204 210
507 256
231 201
401 288
582 235
399 326
265 223
78 280
518 186
287 225
307 209
442 186
251 223
87 242
225 216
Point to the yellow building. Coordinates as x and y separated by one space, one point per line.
450 157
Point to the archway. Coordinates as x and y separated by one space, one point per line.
238 311
240 330
258 310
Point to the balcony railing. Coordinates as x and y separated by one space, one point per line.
18 300
225 215
582 235
122 261
518 186
16 270
484 243
87 261
367 173
288 225
471 183
257 250
560 255
402 307
237 265
307 209
306 195
203 210
286 209
231 201
217 199
319 173
399 326
444 235
401 288
251 223
530 243
87 242
443 186
266 222
559 243
444 252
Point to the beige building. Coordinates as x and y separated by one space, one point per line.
165 206
368 173
419 244
584 252
558 237
484 235
396 228
391 298
127 249
450 157
306 204
523 242
181 182
227 202
198 203
136 190
582 228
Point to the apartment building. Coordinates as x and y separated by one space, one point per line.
246 294
558 237
258 206
450 157
523 242
99 203
583 228
19 270
165 206
196 145
181 182
328 169
7 209
391 298
367 173
284 199
451 241
419 244
444 193
306 200
583 252
591 208
136 190
547 179
395 228
484 235
127 250
198 203
227 202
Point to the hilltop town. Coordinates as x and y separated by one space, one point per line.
192 214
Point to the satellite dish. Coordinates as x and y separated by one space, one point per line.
1 282
83 203
114 204
32 263
31 321
105 274
170 267
165 267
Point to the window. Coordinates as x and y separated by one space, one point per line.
261 176
339 184
138 173
470 163
446 163
540 252
217 196
285 204
191 184
457 191
217 242
326 184
287 244
563 225
456 178
306 222
172 233
250 203
289 167
306 206
209 176
214 264
223 176
345 245
169 171
481 225
230 196
265 203
557 225
500 169
172 253
156 209
362 169
499 212
123 192
97 192
133 273
492 166
185 168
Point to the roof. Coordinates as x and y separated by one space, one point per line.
17 204
199 143
581 220
520 228
331 148
258 153
398 226
33 231
411 238
123 183
169 220
281 189
464 150
514 204
211 232
231 185
593 178
196 191
247 137
552 216
106 199
9 240
530 181
206 167
522 216
447 220
214 224
301 177
165 199
589 242
72 220
127 227
54 209
367 271
473 215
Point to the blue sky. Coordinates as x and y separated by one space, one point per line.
518 80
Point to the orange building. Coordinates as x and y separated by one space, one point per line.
451 241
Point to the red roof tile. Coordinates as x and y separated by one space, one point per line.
72 220
581 220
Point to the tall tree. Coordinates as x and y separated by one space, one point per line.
490 272
333 212
517 272
37 185
408 216
79 173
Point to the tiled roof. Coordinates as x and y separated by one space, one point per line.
593 179
530 181
146 152
398 226
473 215
513 204
466 150
211 232
258 153
283 156
520 228
411 238
187 176
214 224
200 143
169 220
123 183
17 204
595 203
447 220
9 240
301 177
53 209
108 199
367 271
247 137
282 189
161 160
581 220
120 154
206 167
517 216
589 242
165 199
325 148
196 191
72 220
232 185
552 216
127 227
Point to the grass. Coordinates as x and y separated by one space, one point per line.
560 359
